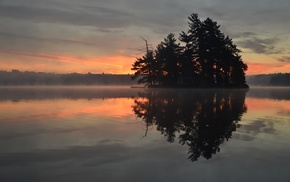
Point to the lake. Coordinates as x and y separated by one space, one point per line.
123 134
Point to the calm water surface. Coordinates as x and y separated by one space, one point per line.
122 134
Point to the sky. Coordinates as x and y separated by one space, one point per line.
104 36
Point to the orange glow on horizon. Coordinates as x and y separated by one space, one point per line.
112 64
255 68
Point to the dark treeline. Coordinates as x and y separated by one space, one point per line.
200 119
278 79
16 77
205 57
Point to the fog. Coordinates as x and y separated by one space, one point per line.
17 93
278 79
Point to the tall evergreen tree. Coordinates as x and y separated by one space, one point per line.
167 56
213 53
191 56
238 72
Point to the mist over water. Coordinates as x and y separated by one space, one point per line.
125 134
67 92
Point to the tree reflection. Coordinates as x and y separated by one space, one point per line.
202 120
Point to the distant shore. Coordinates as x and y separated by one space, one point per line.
28 78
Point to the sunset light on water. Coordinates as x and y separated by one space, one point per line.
85 132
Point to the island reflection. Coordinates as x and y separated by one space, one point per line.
202 120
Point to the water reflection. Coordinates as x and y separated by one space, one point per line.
202 120
91 134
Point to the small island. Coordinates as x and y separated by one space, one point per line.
204 58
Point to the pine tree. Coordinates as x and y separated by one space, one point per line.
238 73
190 62
167 56
212 53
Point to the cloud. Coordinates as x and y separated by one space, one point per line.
242 34
153 14
42 56
102 15
284 59
95 16
106 30
101 28
261 46
76 42
52 40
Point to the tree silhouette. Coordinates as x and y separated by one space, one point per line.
238 72
207 59
146 68
204 120
168 54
